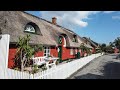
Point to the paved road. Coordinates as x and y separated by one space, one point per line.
104 67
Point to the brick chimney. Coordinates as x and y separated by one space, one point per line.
54 19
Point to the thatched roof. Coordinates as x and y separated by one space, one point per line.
90 42
14 22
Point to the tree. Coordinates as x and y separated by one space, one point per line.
109 49
111 44
103 47
25 51
85 49
117 42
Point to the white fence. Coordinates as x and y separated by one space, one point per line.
4 49
14 74
59 72
65 70
5 72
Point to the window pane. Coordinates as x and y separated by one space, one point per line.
45 51
30 28
44 47
44 54
48 50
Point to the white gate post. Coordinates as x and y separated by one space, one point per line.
4 52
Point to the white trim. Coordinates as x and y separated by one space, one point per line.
47 51
64 42
76 51
30 28
71 51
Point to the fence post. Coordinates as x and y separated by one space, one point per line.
4 52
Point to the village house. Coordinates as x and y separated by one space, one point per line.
57 40
94 45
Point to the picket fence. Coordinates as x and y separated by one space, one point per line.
59 72
65 70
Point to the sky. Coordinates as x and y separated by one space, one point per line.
100 26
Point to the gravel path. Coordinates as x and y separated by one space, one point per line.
104 67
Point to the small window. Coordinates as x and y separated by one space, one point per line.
60 40
75 51
74 38
30 28
71 51
46 51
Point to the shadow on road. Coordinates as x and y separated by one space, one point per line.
111 71
113 54
88 76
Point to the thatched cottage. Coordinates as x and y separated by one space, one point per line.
91 43
57 41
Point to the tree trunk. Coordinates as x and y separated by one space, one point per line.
22 67
21 62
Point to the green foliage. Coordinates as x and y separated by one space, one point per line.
117 42
35 69
84 48
98 51
25 51
35 66
107 48
103 47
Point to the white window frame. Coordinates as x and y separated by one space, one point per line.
76 51
64 42
30 28
47 51
71 51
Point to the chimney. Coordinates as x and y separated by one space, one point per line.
54 19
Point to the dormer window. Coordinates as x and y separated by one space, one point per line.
74 38
30 28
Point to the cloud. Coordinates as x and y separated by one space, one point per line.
115 17
107 12
69 19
